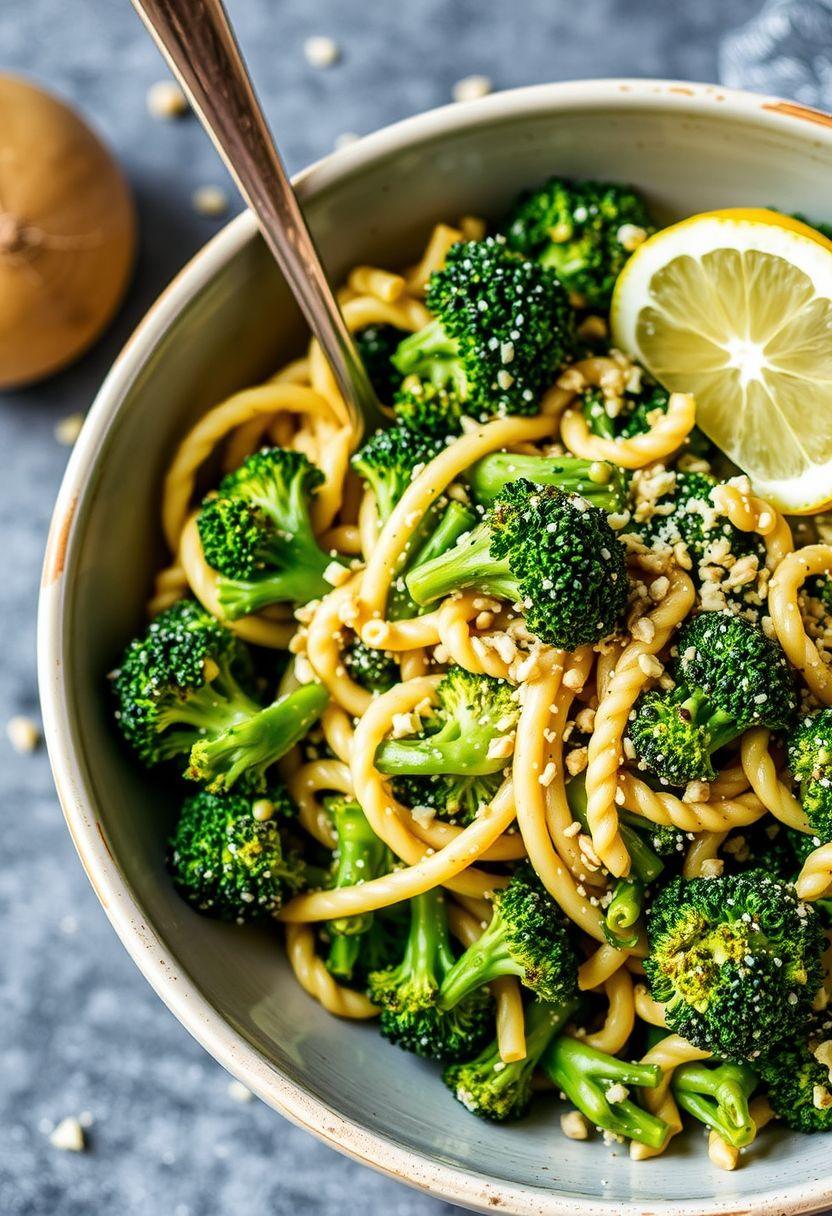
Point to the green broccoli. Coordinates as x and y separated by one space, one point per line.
598 481
375 670
635 409
360 856
454 522
584 230
550 551
592 1081
257 534
408 993
502 327
685 515
493 1089
623 912
228 856
183 690
455 798
376 345
735 960
810 762
729 677
388 462
528 937
717 1093
472 712
797 1073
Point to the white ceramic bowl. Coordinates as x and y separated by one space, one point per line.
224 322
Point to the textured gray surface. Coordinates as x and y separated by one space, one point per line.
79 1028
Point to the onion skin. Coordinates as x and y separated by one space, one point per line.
67 234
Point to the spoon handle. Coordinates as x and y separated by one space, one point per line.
196 38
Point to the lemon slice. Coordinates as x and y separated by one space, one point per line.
736 307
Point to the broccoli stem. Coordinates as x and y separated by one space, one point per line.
646 863
623 912
433 354
468 564
486 960
585 1075
595 480
361 856
597 418
718 1097
445 752
428 954
299 582
255 742
343 955
455 522
721 727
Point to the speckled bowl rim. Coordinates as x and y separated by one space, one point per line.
677 99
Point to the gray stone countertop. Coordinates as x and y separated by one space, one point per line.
80 1030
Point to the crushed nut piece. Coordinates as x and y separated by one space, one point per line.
23 733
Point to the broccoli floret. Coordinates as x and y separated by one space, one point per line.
587 1076
408 994
493 1089
229 860
735 960
472 711
502 327
810 762
820 588
375 670
247 748
257 534
797 1077
729 677
387 463
182 690
663 839
598 481
360 856
548 550
584 230
527 937
635 409
685 514
455 797
717 1095
376 345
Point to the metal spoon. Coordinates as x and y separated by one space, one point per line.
196 38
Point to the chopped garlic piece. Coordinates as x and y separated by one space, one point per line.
23 734
165 99
471 87
321 52
574 1125
336 574
68 1136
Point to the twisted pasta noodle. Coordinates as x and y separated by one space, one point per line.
762 777
788 578
538 697
258 629
346 538
312 975
390 820
601 964
213 427
558 812
665 435
368 523
307 781
433 870
324 651
338 731
815 878
455 635
621 1014
419 496
647 1009
752 514
382 284
704 848
413 664
170 585
440 241
605 752
664 808
668 1054
510 1019
729 783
